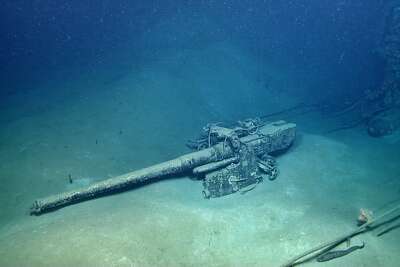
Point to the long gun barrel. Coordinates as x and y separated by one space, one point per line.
269 138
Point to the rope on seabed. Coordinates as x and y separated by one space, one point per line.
347 126
291 109
349 108
321 249
356 123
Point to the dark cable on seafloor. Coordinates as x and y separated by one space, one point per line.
323 248
364 120
287 110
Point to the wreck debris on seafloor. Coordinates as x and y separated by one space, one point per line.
228 159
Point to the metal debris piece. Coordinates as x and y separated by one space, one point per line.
231 162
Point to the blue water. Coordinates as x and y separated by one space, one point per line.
94 89
334 40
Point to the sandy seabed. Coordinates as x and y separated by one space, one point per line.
145 118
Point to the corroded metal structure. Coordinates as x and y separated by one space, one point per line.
243 150
385 101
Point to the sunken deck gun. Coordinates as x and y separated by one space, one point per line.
227 159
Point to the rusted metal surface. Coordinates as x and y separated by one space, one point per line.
268 138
